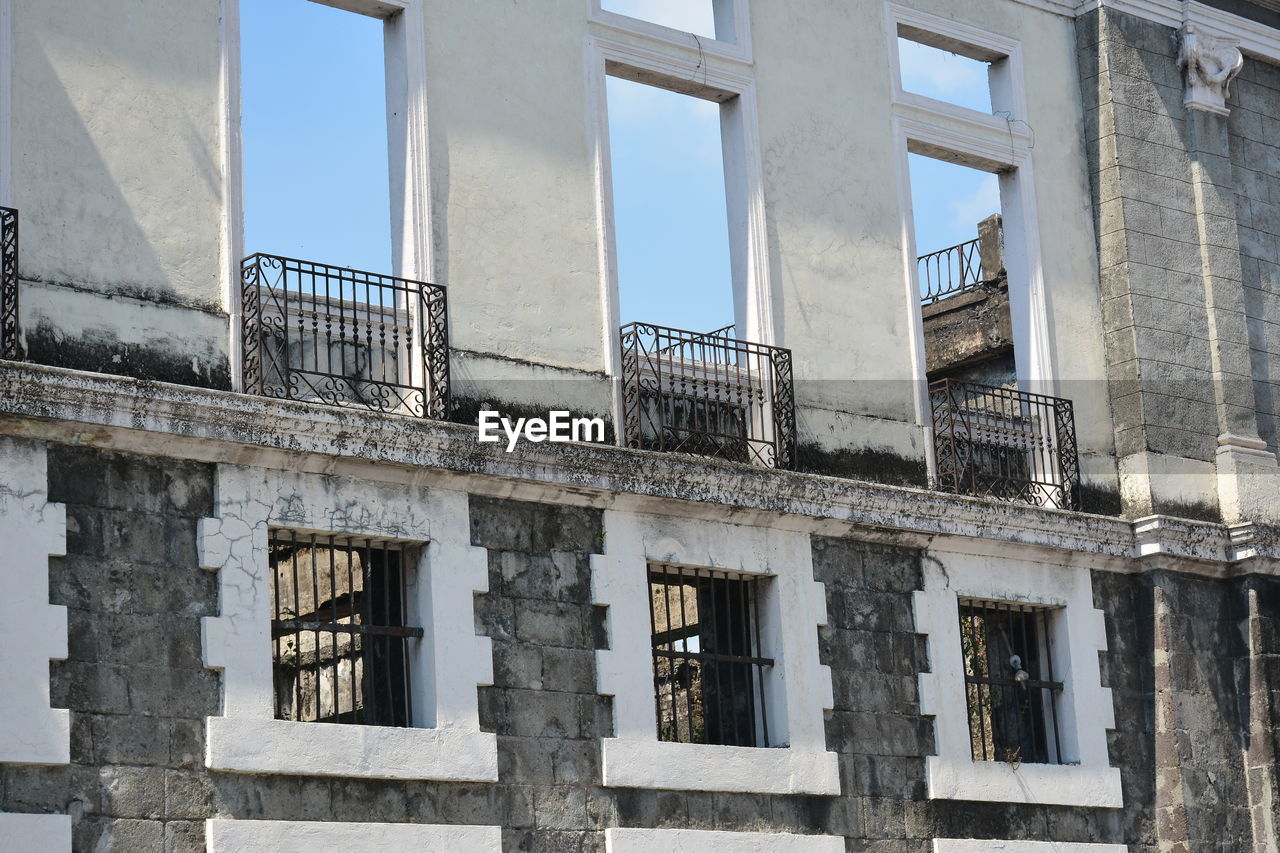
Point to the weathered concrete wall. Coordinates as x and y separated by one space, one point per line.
965 333
1255 156
1173 247
1191 664
117 173
138 692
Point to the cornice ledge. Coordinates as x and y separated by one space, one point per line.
1253 37
1157 536
1255 548
603 474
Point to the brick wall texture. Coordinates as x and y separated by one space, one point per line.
1193 686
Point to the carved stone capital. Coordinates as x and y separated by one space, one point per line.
1208 66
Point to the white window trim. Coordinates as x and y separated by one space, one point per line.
1085 711
284 836
988 142
47 833
32 631
447 666
735 49
687 70
797 687
409 155
708 841
983 845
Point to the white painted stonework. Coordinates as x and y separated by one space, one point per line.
797 687
985 845
705 841
1208 65
45 833
32 631
283 836
447 665
1077 634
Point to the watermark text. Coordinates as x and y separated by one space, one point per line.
558 426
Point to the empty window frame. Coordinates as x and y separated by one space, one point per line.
944 75
1011 694
708 667
961 271
722 22
339 634
671 220
943 60
314 100
691 16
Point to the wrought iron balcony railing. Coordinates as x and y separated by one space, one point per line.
9 284
708 394
333 335
1005 444
949 271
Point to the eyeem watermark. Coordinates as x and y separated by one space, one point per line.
557 426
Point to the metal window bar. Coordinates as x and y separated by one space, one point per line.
707 394
1005 444
708 667
9 336
338 633
1010 690
949 271
344 337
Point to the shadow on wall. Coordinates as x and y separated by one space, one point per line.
106 239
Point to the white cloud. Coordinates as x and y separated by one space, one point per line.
692 16
967 212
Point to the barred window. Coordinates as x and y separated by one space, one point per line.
1009 685
339 637
707 665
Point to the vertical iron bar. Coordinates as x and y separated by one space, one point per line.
297 633
759 652
333 609
653 642
1053 699
352 554
688 663
671 660
315 610
386 639
275 640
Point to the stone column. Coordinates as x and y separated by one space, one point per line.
1248 485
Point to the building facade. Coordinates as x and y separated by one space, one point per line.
974 556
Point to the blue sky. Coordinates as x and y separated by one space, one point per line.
315 134
315 151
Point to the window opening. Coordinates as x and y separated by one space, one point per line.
944 75
990 438
708 668
690 16
671 222
314 101
338 630
1010 690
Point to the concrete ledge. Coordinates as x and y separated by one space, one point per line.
706 841
634 763
47 833
284 836
368 752
218 426
985 845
